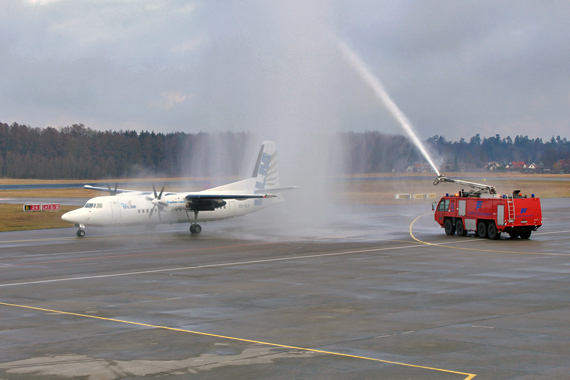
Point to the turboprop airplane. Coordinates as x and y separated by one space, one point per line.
131 208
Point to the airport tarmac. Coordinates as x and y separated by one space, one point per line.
382 294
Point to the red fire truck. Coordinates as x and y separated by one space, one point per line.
482 210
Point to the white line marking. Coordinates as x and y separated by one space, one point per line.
549 233
210 266
40 255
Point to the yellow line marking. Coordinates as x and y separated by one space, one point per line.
469 376
478 249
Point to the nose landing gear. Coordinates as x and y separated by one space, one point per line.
80 231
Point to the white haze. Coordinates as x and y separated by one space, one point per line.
278 75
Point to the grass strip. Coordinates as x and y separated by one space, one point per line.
15 219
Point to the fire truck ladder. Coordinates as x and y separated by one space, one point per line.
510 208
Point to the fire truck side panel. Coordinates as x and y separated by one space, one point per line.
461 207
500 215
470 224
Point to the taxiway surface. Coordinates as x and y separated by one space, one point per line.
384 294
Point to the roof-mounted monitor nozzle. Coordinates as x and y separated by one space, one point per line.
476 188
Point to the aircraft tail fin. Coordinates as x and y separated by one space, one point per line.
265 175
266 170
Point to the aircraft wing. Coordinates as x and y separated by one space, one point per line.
107 189
213 196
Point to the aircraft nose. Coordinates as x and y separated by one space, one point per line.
67 217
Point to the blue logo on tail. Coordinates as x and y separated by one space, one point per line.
263 169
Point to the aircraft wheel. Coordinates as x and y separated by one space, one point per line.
482 230
449 227
195 229
80 233
492 232
460 229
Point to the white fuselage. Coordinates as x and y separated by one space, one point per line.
131 207
135 209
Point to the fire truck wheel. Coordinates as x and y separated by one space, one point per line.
492 232
460 229
514 234
449 227
525 234
482 230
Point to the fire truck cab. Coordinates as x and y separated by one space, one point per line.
486 213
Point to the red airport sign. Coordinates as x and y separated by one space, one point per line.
32 208
51 207
44 207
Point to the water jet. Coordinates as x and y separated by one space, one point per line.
360 67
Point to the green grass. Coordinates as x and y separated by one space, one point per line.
15 219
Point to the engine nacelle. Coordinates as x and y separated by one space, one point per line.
204 205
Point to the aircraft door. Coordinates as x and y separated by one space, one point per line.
115 212
232 207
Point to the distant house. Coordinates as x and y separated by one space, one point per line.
516 165
533 168
492 166
564 166
419 167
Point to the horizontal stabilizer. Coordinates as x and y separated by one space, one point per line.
277 190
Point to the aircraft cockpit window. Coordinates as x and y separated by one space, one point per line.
99 205
89 205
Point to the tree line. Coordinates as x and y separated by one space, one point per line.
479 152
375 152
79 152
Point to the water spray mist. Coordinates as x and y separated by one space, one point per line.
383 96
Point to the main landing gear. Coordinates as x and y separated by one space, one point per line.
195 228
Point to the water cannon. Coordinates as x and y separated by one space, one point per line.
438 179
476 188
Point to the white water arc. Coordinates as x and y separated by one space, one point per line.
383 96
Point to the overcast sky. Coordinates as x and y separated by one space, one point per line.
455 68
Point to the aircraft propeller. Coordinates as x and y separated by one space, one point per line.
158 204
112 191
